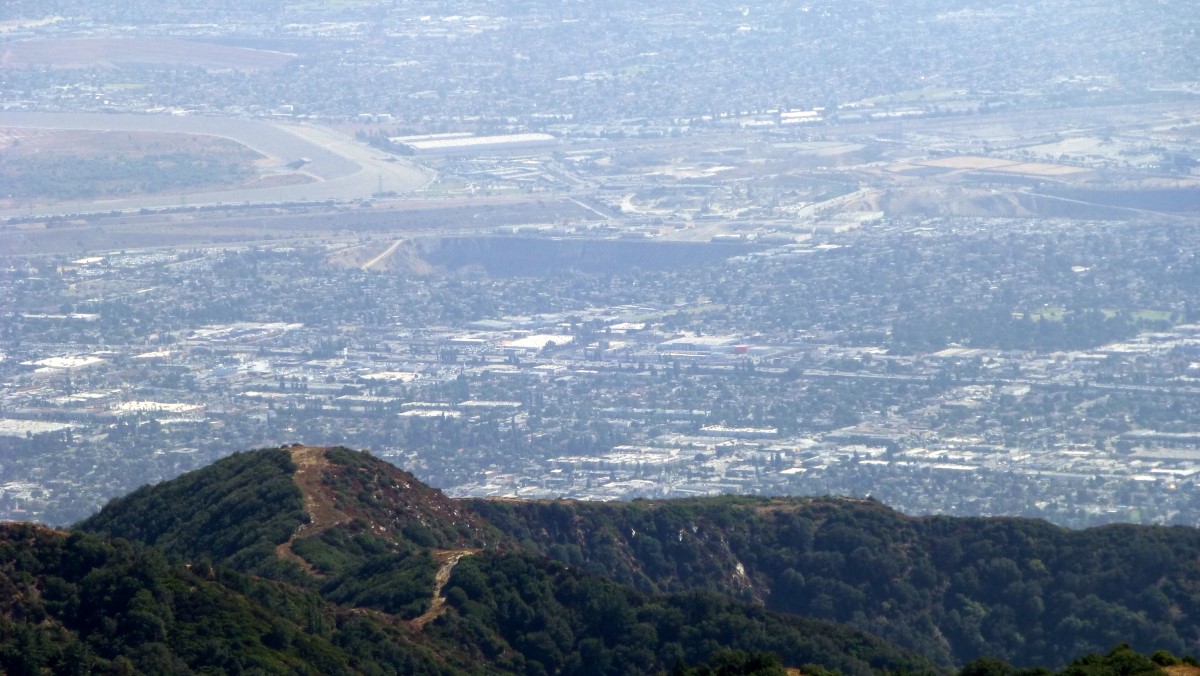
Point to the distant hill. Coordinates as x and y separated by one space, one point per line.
327 560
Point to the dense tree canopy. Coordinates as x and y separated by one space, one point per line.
954 589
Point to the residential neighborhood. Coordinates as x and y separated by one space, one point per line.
764 373
941 254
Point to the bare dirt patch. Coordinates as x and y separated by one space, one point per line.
279 180
44 165
953 201
114 52
375 260
318 502
395 256
968 162
1042 169
437 605
25 141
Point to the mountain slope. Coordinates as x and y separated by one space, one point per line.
361 531
954 589
73 603
249 509
375 544
234 512
537 616
501 581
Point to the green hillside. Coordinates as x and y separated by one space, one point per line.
71 603
233 512
374 544
534 615
326 560
954 589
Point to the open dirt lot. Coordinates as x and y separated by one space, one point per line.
40 166
1007 166
340 167
1042 169
968 162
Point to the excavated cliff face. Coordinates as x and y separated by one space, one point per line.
510 256
506 256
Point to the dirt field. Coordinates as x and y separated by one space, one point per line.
998 164
1041 169
113 52
968 162
23 142
340 168
40 166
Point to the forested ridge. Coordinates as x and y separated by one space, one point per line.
304 560
954 589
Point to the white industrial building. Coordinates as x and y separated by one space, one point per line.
454 143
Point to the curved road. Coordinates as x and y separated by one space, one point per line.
343 168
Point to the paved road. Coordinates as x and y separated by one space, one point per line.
343 168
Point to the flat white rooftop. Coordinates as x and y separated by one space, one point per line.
10 427
469 142
68 362
155 407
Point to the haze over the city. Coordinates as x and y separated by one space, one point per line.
942 252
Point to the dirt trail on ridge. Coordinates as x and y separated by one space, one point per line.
318 503
449 558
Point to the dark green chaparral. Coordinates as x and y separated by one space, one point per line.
326 561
